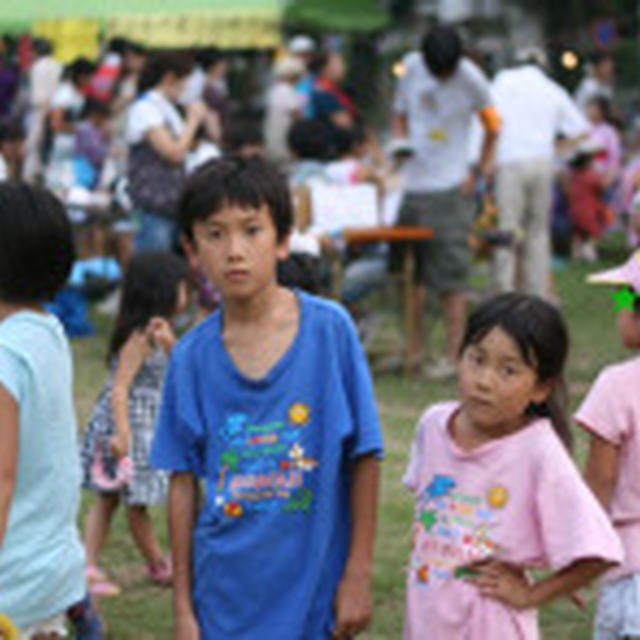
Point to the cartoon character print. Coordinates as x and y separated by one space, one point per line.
453 529
264 466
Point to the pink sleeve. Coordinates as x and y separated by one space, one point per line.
602 412
572 524
411 477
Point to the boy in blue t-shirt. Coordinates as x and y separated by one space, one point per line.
270 401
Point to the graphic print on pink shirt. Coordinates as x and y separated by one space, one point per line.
456 529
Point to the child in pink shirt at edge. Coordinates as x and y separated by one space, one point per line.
496 490
611 415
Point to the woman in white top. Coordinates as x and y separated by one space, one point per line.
159 140
64 114
284 106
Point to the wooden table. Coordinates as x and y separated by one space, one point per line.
406 237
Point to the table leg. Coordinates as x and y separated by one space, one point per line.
408 275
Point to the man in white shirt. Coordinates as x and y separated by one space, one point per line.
436 99
534 110
44 77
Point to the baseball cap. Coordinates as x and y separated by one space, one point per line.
301 44
627 273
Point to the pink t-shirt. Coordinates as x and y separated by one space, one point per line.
612 411
519 498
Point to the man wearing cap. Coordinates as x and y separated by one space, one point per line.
303 48
534 110
436 99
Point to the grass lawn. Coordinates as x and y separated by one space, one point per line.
144 612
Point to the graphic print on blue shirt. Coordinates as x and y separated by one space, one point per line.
264 466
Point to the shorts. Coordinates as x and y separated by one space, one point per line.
442 263
618 609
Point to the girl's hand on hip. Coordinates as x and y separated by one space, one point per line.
353 607
502 581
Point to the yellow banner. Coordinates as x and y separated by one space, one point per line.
226 29
70 37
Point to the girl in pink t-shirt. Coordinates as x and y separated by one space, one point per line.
496 491
611 415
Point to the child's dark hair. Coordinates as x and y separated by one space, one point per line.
441 50
150 289
36 244
80 67
93 107
539 330
242 132
242 182
309 140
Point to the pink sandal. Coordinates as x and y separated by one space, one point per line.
99 584
161 573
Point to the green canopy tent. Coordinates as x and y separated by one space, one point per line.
353 16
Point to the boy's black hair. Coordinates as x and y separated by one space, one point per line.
442 50
135 48
11 131
243 182
42 46
150 289
209 57
539 330
118 45
158 64
36 244
309 140
80 67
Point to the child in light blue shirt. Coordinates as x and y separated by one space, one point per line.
42 583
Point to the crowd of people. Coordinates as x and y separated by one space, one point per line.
268 401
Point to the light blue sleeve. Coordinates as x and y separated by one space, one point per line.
14 374
366 438
177 445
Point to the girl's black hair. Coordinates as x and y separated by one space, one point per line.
309 140
36 244
160 63
539 330
150 289
243 182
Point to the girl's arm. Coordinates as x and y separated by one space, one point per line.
167 146
508 584
182 508
9 421
130 359
353 600
602 468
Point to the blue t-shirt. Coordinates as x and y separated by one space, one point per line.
271 540
41 559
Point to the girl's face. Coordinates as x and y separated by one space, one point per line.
497 385
238 250
594 113
629 328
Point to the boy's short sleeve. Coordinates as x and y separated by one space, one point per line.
13 374
572 524
367 435
178 444
603 413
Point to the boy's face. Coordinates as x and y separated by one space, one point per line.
238 250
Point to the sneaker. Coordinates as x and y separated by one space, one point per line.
441 370
161 573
